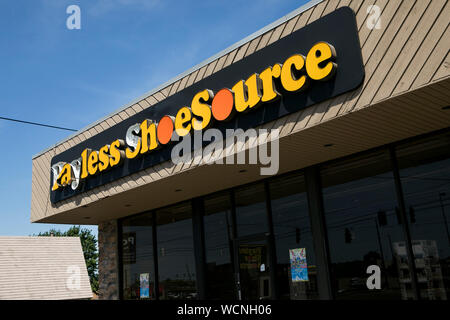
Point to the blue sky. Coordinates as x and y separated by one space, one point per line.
71 78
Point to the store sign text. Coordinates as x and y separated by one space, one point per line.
295 74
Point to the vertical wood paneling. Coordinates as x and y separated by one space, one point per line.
252 46
129 112
425 50
374 57
38 206
318 10
230 58
165 92
200 74
191 79
144 104
317 112
174 88
330 6
183 83
444 69
394 50
240 54
290 26
110 121
362 16
264 39
210 69
369 40
434 61
220 63
42 177
136 108
303 19
159 96
151 100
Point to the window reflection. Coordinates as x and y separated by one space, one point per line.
137 257
363 227
217 224
425 176
251 210
176 262
252 247
292 231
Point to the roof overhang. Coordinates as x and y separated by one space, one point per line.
414 113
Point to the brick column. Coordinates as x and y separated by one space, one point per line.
108 262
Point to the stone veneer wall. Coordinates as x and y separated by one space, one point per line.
108 261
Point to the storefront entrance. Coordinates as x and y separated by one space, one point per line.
287 238
254 267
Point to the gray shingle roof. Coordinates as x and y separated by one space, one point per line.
45 268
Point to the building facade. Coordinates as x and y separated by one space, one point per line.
353 98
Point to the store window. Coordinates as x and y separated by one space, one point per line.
137 257
176 261
251 209
363 229
296 270
425 177
218 225
252 246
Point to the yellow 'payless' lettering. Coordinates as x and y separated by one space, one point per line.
268 86
116 154
84 161
201 109
247 94
148 136
55 186
293 65
66 175
318 61
92 165
295 74
183 121
103 158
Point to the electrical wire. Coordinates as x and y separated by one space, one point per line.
37 124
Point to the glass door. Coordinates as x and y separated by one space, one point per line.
253 277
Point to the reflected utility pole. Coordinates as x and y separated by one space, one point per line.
441 195
382 256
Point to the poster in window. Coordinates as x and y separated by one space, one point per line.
299 267
144 285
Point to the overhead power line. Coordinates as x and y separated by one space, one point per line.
37 124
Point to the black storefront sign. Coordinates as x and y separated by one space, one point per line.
337 28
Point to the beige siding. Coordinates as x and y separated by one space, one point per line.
40 268
410 51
